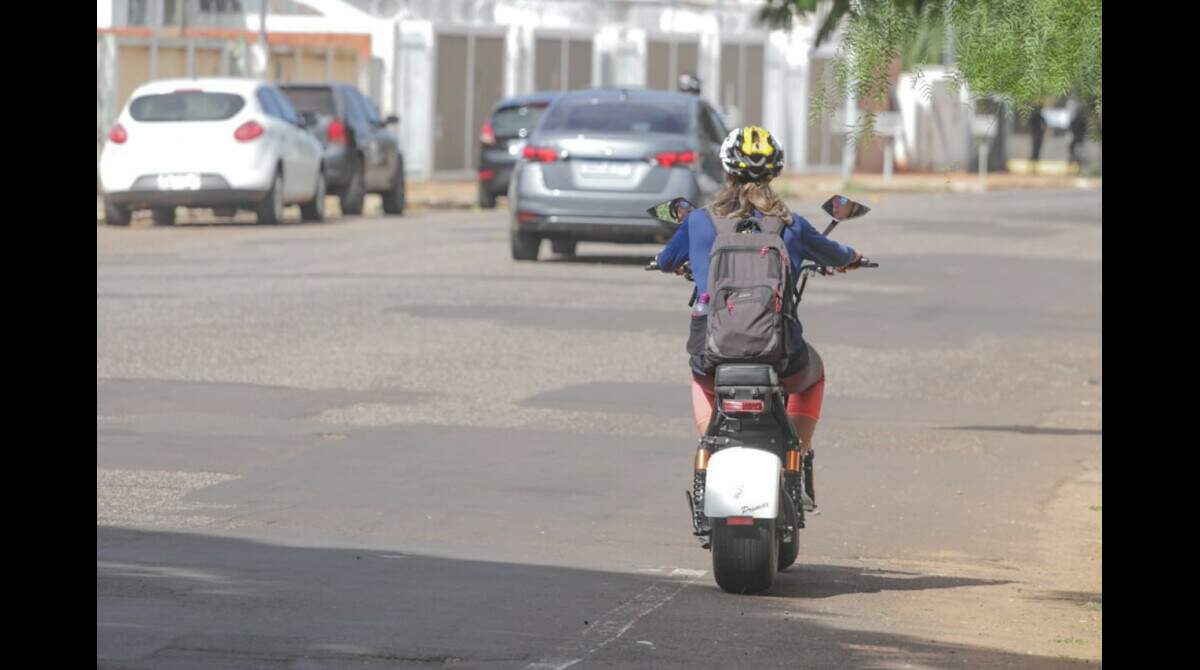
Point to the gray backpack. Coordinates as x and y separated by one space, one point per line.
750 284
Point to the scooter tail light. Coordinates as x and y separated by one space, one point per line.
740 521
748 406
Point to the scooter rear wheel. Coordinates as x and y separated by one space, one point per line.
745 558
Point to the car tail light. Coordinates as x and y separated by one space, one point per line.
486 135
539 154
486 174
740 521
750 406
672 158
336 131
526 216
248 131
117 134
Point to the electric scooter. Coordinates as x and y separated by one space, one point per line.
750 481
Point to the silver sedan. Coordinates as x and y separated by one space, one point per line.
599 158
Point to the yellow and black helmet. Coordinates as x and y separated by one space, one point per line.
750 153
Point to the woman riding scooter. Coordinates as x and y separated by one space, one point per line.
752 158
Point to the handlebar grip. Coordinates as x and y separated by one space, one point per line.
652 265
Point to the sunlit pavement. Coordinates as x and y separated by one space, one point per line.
383 442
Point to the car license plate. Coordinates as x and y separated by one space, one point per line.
179 182
605 169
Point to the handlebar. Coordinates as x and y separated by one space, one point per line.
863 262
687 269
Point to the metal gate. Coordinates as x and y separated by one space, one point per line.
666 59
561 62
470 81
741 87
825 139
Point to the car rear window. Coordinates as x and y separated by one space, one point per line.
186 106
315 100
510 121
615 116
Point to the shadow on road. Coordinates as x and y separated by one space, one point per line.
169 599
282 225
825 581
1026 430
604 259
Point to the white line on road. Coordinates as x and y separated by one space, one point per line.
616 622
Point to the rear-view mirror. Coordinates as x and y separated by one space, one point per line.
673 211
841 208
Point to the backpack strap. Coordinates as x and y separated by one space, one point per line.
769 224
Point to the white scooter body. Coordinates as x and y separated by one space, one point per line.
742 482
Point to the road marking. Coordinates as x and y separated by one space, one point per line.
684 572
616 622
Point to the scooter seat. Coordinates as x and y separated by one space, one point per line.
746 374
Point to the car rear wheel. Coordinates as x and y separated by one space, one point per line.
315 210
564 247
486 199
270 210
163 216
351 197
394 198
116 215
525 246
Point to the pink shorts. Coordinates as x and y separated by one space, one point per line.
801 401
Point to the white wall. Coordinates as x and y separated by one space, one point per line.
104 13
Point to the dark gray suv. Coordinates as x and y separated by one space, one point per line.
361 155
600 157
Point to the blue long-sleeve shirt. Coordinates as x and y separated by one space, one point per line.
694 239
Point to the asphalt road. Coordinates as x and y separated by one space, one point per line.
383 443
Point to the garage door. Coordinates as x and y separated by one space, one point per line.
665 61
741 86
561 64
470 81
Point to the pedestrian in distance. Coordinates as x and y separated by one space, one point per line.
1037 131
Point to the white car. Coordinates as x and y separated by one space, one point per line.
216 143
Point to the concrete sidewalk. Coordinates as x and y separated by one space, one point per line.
462 194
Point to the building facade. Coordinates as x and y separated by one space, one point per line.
442 64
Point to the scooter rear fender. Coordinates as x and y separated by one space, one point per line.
742 482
